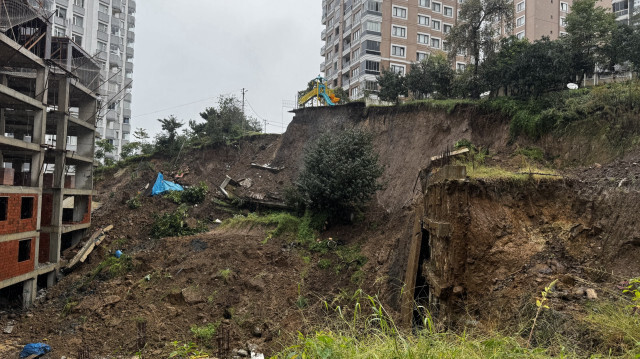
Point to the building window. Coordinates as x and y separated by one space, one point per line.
24 250
373 26
356 35
4 208
398 51
371 85
399 31
435 43
372 47
448 11
421 56
520 35
520 6
399 12
78 3
372 67
77 39
436 7
103 27
374 6
460 66
78 20
26 208
355 54
103 8
445 46
424 3
435 24
355 73
423 39
423 20
102 46
61 12
399 69
446 28
563 21
520 21
564 7
354 92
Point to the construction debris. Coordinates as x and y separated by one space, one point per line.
8 329
95 240
267 167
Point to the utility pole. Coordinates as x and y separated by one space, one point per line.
265 126
244 118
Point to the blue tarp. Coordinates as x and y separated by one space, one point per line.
37 349
162 186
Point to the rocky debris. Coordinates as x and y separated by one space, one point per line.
242 353
8 329
192 296
256 332
591 294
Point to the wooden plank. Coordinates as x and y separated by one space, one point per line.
454 153
96 238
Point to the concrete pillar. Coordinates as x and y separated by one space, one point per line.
86 143
87 111
84 176
51 279
29 291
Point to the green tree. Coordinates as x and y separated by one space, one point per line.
342 94
543 66
104 146
432 76
129 149
224 123
499 71
141 135
340 172
476 31
619 48
167 142
589 28
392 86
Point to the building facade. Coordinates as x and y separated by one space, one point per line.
48 111
363 36
106 29
627 11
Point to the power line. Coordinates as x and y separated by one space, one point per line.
183 105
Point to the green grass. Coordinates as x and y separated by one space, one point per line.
493 172
447 105
362 328
205 333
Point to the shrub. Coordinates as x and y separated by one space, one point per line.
195 194
174 224
134 202
340 172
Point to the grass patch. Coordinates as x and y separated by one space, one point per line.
494 172
173 224
205 333
447 105
225 274
303 229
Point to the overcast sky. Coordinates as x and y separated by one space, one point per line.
196 50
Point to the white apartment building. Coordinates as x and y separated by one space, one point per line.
106 30
625 10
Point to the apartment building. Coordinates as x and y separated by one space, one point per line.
625 10
106 29
48 108
363 36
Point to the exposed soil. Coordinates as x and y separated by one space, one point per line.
522 238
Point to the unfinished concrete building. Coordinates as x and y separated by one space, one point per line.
48 107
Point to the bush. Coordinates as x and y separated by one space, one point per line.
340 172
134 202
174 224
195 194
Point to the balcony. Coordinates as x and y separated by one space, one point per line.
103 36
115 60
131 36
79 10
129 51
126 113
127 97
110 134
59 21
116 40
126 128
128 84
77 29
111 115
102 55
104 17
131 20
116 5
132 6
128 66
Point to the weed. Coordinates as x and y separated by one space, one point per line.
134 202
68 307
357 277
532 153
540 303
634 289
324 263
205 333
186 350
302 302
195 194
225 274
174 196
115 267
174 224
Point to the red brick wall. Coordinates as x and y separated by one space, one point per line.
9 266
47 210
43 252
13 223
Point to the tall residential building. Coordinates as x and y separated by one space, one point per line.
48 107
363 36
625 10
106 29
